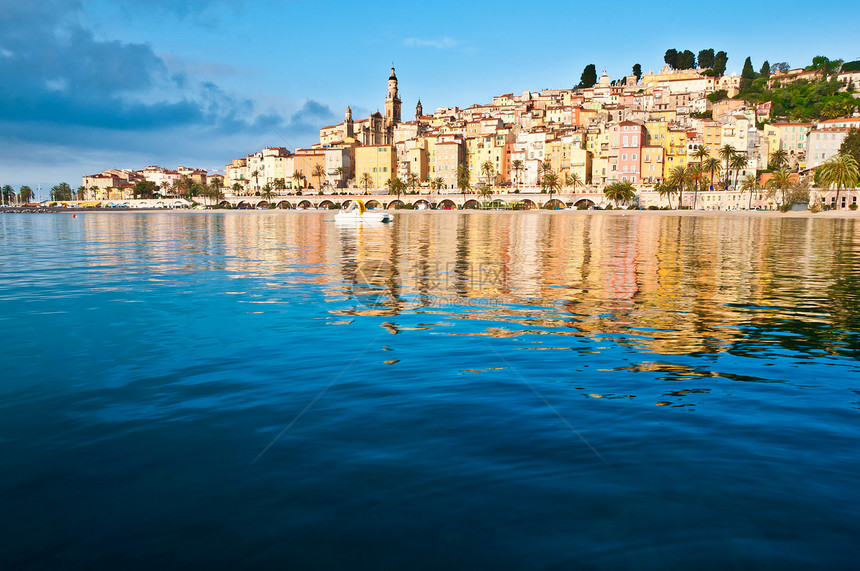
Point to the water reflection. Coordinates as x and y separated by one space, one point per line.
665 284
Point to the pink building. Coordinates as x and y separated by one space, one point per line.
631 136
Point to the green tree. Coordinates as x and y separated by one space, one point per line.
739 162
256 176
365 180
518 167
727 151
25 194
412 180
485 191
61 191
463 180
319 174
488 170
267 193
7 195
765 70
637 71
622 192
840 171
780 183
679 179
436 183
720 61
851 144
588 77
686 60
666 191
298 179
747 75
550 182
395 186
749 185
671 58
706 58
778 159
711 165
144 189
572 179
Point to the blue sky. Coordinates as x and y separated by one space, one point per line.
89 85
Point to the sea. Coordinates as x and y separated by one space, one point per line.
454 390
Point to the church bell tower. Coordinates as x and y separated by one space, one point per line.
392 102
419 110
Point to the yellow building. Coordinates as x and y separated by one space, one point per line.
676 149
379 161
652 164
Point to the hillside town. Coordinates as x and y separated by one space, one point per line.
640 130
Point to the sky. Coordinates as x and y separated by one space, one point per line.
93 84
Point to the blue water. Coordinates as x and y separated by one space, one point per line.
481 391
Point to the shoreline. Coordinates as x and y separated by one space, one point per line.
830 214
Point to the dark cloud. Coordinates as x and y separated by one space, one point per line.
57 72
68 98
311 117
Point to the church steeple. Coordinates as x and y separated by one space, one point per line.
350 129
392 102
419 110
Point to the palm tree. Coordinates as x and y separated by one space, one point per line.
739 162
267 192
543 168
620 192
726 153
298 177
517 167
781 182
750 185
237 187
550 182
463 180
711 165
678 179
485 191
436 183
488 170
572 179
701 154
412 180
7 195
339 174
319 173
25 193
841 171
365 180
694 179
255 175
666 190
779 159
395 186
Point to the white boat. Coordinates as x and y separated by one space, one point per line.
358 212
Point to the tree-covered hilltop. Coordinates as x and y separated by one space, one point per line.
801 100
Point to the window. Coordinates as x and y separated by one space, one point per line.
633 156
624 157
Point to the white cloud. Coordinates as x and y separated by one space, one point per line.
438 43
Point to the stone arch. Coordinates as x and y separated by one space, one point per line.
584 204
471 203
244 205
394 204
373 204
284 204
497 203
423 201
529 204
262 204
553 204
225 204
447 204
304 204
325 204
